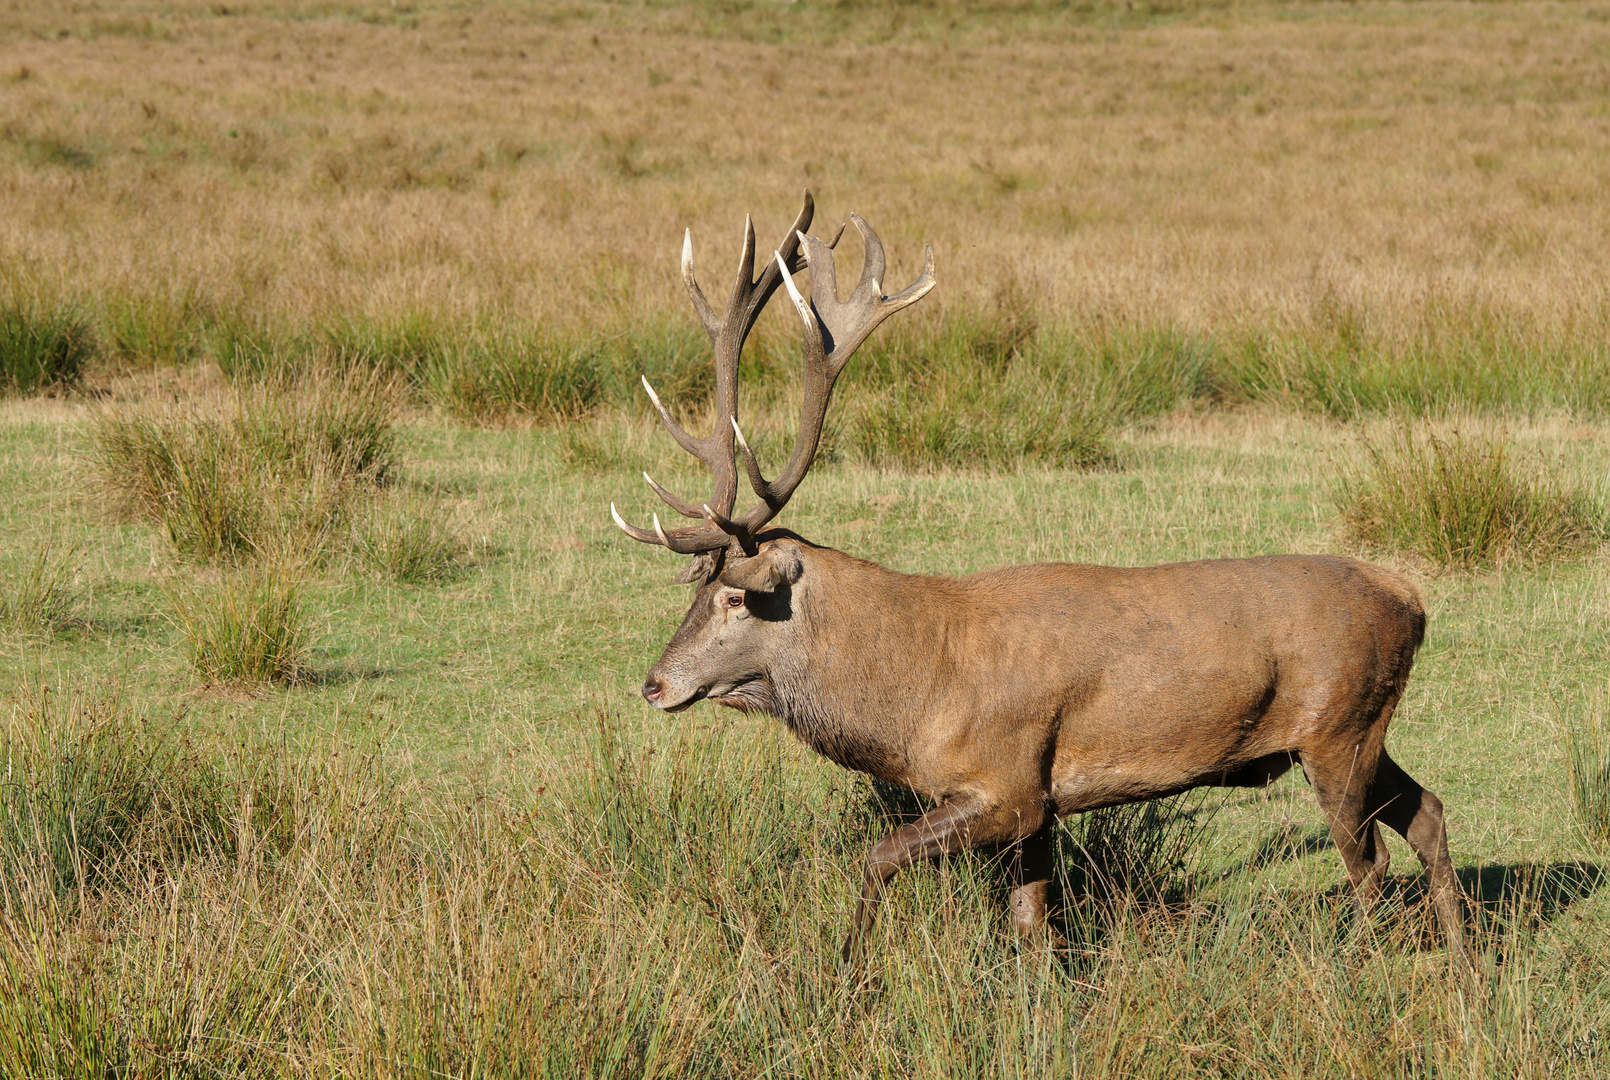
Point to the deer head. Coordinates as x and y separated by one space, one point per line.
740 622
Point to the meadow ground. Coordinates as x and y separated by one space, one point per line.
479 847
1194 261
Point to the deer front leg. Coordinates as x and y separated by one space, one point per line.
1031 880
961 823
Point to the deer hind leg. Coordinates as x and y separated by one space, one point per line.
1416 814
1369 789
948 828
1343 784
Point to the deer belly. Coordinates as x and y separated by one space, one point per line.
1150 746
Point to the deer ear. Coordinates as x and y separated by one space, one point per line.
763 573
699 568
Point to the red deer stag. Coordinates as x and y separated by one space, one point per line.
1016 696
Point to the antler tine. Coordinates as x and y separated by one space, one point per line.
727 335
847 323
712 325
831 332
874 264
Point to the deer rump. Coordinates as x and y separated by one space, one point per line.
1017 695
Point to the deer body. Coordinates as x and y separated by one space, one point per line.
1088 686
1015 696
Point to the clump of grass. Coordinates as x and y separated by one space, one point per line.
1143 852
412 541
969 389
93 791
153 329
247 627
1587 759
272 471
40 599
543 378
1463 501
964 424
556 374
407 345
42 345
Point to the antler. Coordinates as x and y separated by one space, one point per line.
832 332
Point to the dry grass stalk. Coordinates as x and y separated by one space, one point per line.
387 179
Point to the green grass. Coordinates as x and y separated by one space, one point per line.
42 345
153 331
412 541
1466 499
40 599
462 844
285 903
272 471
94 796
246 627
1587 749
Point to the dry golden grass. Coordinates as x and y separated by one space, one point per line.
1412 167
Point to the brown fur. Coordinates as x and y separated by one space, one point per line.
1019 695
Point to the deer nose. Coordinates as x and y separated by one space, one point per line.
651 691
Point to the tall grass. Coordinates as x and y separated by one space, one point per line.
247 627
94 795
1465 500
1587 760
271 471
662 908
42 345
39 600
411 540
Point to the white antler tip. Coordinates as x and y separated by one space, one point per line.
616 515
650 480
652 396
793 292
687 253
659 531
738 431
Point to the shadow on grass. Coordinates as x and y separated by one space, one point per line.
345 676
1282 845
1501 900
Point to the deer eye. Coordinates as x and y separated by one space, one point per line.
735 600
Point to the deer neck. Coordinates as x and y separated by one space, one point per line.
870 652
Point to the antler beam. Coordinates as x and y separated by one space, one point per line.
832 331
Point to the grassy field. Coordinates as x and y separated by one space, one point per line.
460 843
321 324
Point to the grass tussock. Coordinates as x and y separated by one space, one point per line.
39 599
970 391
248 626
1587 760
95 795
43 345
262 905
412 540
1465 500
273 471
